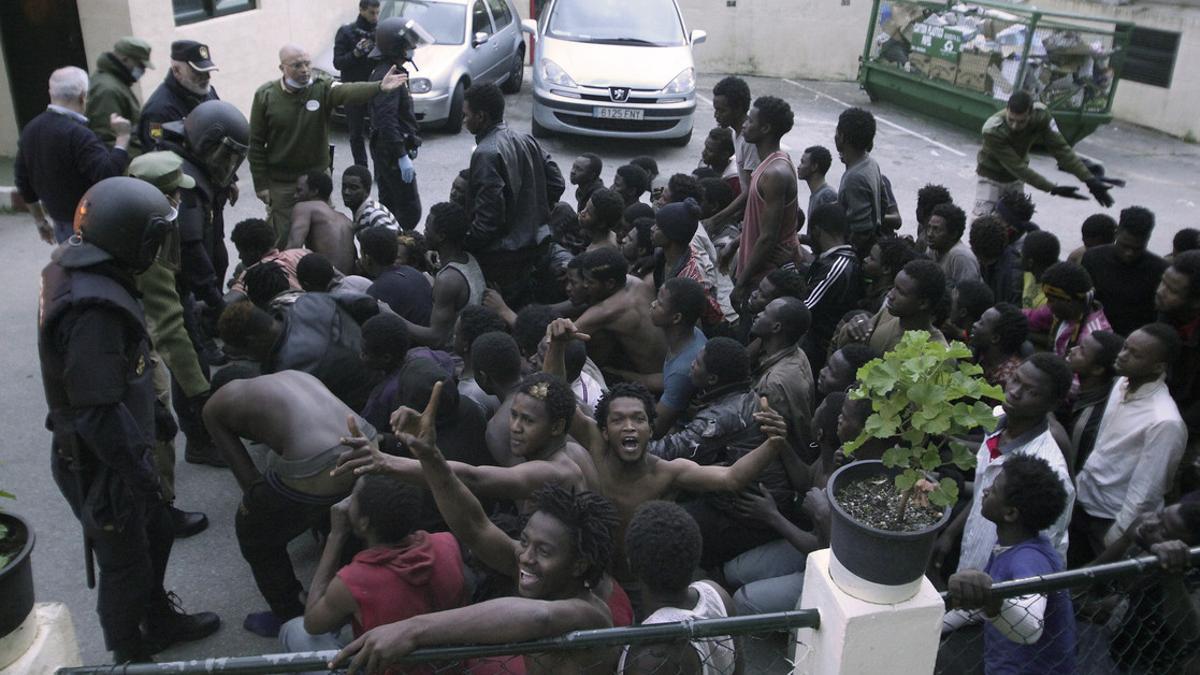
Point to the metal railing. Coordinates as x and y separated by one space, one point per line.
578 640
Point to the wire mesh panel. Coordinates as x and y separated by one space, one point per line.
1068 64
1144 622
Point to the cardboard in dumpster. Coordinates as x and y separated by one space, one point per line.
973 70
936 41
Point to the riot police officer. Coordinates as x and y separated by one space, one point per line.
212 140
394 139
95 359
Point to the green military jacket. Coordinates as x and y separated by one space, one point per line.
1004 155
109 92
164 319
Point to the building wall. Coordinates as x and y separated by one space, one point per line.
823 39
810 39
8 115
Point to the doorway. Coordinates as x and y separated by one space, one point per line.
38 37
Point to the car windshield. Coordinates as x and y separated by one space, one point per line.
652 23
443 20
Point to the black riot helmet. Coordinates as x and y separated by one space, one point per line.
121 219
396 38
218 136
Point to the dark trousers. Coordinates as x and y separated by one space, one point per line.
725 535
1086 535
132 559
356 125
401 198
512 273
266 522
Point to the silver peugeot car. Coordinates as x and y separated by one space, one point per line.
614 68
474 41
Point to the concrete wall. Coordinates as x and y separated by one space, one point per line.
8 114
1172 110
244 45
811 39
823 39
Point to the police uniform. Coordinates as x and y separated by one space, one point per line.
95 360
171 101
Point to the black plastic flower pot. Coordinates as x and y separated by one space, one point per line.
16 578
874 565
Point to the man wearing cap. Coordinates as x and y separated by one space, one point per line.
173 348
59 158
289 128
186 86
111 90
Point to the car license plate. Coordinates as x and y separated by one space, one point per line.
618 113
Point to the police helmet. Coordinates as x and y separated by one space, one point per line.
396 37
218 135
121 219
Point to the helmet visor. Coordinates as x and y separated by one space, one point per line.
223 160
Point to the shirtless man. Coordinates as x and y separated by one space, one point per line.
542 408
561 556
294 416
317 226
618 315
619 437
459 281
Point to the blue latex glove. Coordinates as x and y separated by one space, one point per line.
407 172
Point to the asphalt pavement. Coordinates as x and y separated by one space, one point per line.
208 572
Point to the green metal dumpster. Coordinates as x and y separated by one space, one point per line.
959 62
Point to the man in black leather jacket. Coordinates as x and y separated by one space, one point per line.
512 186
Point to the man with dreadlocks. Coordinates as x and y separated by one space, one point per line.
541 411
561 557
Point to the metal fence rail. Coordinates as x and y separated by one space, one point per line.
1118 621
578 640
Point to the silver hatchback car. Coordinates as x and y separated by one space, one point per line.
474 41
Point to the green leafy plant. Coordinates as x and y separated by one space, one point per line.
925 395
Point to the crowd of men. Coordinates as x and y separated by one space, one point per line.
543 412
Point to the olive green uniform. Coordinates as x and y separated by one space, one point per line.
289 136
109 92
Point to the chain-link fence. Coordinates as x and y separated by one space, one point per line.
760 642
1125 617
1067 63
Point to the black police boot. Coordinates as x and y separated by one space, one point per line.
187 523
166 624
202 451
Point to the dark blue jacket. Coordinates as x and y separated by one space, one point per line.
58 159
169 102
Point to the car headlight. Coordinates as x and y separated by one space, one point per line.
420 85
684 82
553 73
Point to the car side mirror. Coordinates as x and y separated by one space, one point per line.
480 38
529 26
699 36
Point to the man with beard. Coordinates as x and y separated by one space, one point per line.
185 87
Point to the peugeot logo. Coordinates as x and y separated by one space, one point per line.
618 94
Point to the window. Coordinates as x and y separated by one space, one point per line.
480 22
1151 57
191 11
443 20
500 13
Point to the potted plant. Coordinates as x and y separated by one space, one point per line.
885 513
16 575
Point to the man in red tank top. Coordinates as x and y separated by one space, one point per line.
769 226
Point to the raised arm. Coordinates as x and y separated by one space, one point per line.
460 508
583 429
498 621
688 475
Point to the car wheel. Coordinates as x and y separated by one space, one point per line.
682 141
454 120
539 131
517 76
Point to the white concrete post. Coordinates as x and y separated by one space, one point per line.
41 645
862 638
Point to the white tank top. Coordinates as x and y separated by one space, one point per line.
474 276
716 653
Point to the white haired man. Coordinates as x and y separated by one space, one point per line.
59 157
